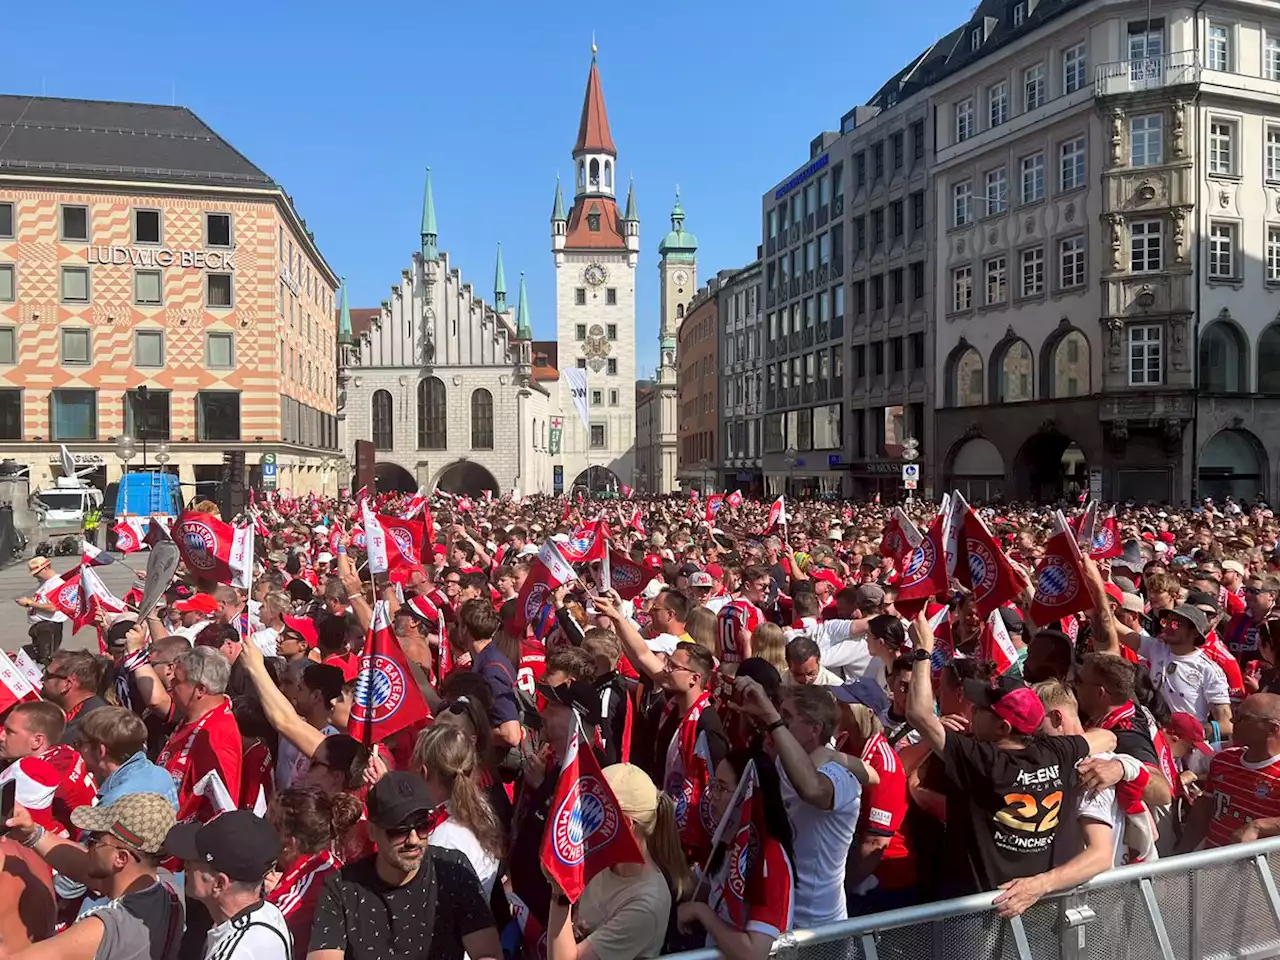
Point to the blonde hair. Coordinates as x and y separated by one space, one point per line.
868 723
701 625
1054 694
447 754
769 643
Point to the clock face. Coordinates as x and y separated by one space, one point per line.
595 274
680 277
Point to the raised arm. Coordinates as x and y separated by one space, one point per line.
634 645
920 706
280 712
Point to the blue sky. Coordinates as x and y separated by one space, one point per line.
346 103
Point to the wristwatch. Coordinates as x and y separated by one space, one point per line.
921 655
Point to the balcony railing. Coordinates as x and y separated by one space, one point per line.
1146 73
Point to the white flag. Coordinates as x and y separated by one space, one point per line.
241 559
577 380
606 572
375 539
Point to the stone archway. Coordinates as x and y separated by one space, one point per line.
466 478
977 470
1049 466
1233 463
393 478
596 479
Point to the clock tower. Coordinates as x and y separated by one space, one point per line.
595 251
678 271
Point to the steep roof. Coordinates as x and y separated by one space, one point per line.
362 319
593 128
582 237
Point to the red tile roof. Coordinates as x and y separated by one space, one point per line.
582 237
593 128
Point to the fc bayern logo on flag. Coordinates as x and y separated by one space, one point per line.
1057 583
745 847
404 542
625 576
380 690
201 544
583 542
982 567
584 819
125 540
539 596
69 596
1104 540
919 564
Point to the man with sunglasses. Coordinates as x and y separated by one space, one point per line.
1241 634
408 899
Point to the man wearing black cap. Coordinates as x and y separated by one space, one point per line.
225 861
408 899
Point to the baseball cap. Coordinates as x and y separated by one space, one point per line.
325 557
700 580
305 627
140 821
528 550
866 692
715 571
1133 603
1114 592
1235 566
399 798
689 569
422 609
653 562
869 593
238 843
1186 727
197 603
1011 700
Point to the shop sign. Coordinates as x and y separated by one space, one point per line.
162 257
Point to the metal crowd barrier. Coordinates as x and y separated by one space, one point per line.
1210 904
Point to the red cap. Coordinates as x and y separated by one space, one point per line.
1167 536
716 571
830 577
1114 592
305 627
1148 536
1010 700
653 562
1186 727
197 603
439 549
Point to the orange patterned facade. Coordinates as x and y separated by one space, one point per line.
273 346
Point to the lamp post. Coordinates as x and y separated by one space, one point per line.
140 422
789 458
125 450
162 454
704 466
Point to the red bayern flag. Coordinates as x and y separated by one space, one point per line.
693 495
404 541
995 645
626 576
636 523
1059 577
207 545
387 698
714 502
128 534
14 685
1106 538
588 543
980 563
547 572
626 491
924 571
899 536
586 832
67 597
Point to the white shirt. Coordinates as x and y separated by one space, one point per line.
1191 683
822 840
43 592
825 678
292 764
266 640
455 836
716 604
1104 808
842 651
260 934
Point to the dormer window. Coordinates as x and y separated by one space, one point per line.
593 222
1019 14
975 40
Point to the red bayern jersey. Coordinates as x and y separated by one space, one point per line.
737 621
769 894
1217 651
884 807
257 777
1240 792
76 787
298 892
209 743
533 664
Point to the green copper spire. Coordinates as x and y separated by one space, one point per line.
345 333
631 202
524 329
430 235
677 212
499 284
557 212
679 244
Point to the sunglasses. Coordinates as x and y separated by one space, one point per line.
421 826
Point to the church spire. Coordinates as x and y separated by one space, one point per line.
557 211
499 284
593 128
430 235
631 215
345 332
524 328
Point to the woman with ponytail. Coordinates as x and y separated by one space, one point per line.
464 819
625 910
309 822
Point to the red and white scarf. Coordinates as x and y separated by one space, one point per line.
688 771
292 889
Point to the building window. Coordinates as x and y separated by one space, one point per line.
8 345
611 331
6 221
1071 262
613 398
597 436
75 223
1033 272
1273 254
998 103
593 222
481 419
917 210
997 191
220 350
148 348
917 350
580 296
917 140
1222 251
1273 154
218 415
899 153
1222 147
597 397
76 346
1145 362
146 226
1145 255
73 414
1219 47
217 230
997 273
580 331
1270 58
7 291
147 288
1019 14
218 290
877 161
147 417
1033 178
962 203
899 219
964 119
383 421
433 423
10 414
582 363
611 367
1033 88
1075 63
975 40
75 284
917 281
961 289
1146 140
611 296
1072 165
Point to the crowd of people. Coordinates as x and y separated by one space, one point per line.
788 741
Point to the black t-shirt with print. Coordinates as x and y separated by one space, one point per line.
1004 808
365 918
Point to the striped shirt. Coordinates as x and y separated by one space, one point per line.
258 932
1241 792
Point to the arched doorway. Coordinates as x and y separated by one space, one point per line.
467 479
1232 464
393 478
1050 466
977 470
596 479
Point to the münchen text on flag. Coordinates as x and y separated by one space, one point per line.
375 539
586 832
387 698
995 644
210 547
924 570
980 563
1059 577
688 771
547 572
587 543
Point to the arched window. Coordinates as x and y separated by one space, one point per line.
1222 363
481 419
595 173
582 174
1015 381
679 309
1068 372
1269 360
608 174
964 379
433 429
383 433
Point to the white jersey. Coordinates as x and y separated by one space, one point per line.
843 651
1191 683
44 594
259 933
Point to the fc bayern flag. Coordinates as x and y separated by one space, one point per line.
67 597
588 543
387 698
980 563
128 531
93 557
924 571
626 576
899 536
404 541
626 491
734 499
586 832
14 685
693 495
636 523
1103 538
714 502
209 546
1059 578
547 572
995 645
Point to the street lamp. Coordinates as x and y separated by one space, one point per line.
125 450
162 454
705 467
144 393
789 458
